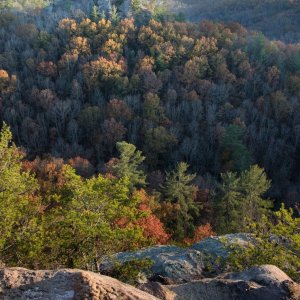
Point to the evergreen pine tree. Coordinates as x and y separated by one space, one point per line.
240 199
228 203
179 191
235 150
94 15
114 15
129 164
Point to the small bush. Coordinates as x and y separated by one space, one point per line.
131 271
277 242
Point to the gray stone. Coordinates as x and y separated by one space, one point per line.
265 274
217 245
175 263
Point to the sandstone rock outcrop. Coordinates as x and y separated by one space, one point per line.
177 274
66 284
258 283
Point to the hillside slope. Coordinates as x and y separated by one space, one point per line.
278 19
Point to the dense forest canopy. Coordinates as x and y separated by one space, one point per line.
138 130
216 96
277 19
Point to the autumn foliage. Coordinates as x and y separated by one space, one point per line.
153 228
200 234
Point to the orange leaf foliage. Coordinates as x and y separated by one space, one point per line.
200 234
153 227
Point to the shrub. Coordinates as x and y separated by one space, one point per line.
131 271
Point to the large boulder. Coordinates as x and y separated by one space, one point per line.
170 262
66 284
257 283
176 264
265 274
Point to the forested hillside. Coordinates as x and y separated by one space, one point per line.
215 96
143 130
277 19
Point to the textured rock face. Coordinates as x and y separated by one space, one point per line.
258 283
175 264
171 262
177 275
23 284
158 290
183 268
266 274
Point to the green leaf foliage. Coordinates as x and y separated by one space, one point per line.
92 218
18 208
238 152
131 271
129 165
240 199
180 193
277 242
